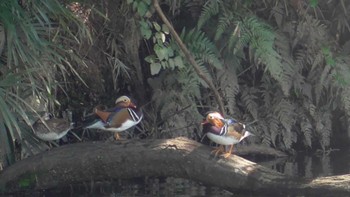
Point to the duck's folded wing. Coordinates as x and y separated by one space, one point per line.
118 118
232 132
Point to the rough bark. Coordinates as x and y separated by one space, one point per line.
179 157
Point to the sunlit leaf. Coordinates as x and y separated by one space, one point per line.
156 26
165 29
155 68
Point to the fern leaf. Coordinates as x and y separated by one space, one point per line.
322 83
345 99
323 128
210 9
261 44
274 129
249 99
307 129
229 85
224 22
202 47
285 113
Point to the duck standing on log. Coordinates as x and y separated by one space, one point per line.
224 132
122 117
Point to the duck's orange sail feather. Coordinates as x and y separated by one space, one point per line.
102 114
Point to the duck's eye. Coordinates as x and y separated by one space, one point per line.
210 117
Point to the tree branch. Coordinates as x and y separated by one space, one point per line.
179 157
189 56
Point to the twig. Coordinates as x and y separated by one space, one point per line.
189 56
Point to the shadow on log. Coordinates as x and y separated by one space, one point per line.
179 157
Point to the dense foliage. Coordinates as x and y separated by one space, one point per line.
280 66
35 63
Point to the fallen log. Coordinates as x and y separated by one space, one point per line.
179 157
261 150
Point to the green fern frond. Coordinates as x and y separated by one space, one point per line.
311 31
261 41
249 99
266 94
310 108
291 74
206 72
274 129
284 111
341 70
201 47
243 41
345 99
224 21
324 128
278 12
191 82
317 60
288 138
228 82
264 131
307 130
323 82
210 9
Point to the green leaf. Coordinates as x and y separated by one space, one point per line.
146 33
313 3
148 2
161 52
134 5
178 61
171 63
156 26
145 29
165 29
142 8
155 68
170 51
165 64
160 37
330 61
150 59
129 1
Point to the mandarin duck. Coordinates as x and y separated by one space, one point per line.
49 128
224 132
120 118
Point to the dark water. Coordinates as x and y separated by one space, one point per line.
334 163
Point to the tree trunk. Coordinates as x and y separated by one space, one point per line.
179 157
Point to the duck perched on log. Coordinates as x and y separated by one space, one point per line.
224 132
122 117
49 128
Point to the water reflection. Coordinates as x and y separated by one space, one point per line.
135 187
335 163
